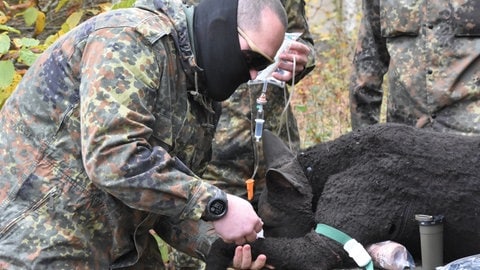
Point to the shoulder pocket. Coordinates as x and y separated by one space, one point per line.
467 18
399 17
154 26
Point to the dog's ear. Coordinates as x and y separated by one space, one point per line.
283 169
275 150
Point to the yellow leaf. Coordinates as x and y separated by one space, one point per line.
40 23
50 39
73 19
105 7
17 42
3 18
5 92
61 3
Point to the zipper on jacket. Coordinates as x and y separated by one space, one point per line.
50 195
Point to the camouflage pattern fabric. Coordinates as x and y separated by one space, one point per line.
190 242
431 50
235 150
92 144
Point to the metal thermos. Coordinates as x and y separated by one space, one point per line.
431 240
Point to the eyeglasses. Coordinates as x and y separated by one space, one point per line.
254 57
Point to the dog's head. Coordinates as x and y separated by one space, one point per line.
285 205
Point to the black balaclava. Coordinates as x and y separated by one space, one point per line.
217 47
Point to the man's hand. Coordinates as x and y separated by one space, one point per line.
240 224
243 259
297 52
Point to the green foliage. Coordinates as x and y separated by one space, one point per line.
17 54
123 4
72 20
163 246
30 16
27 42
26 57
8 29
7 78
8 71
61 4
4 44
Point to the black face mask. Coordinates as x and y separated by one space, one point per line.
218 49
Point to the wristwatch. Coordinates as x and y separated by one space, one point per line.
216 208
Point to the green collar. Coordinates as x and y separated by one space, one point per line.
354 249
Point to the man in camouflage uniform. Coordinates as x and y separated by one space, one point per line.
104 137
235 150
431 50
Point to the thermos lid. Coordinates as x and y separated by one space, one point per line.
427 220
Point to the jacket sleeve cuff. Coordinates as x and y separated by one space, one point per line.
202 194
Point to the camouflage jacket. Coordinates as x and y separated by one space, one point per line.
431 50
94 141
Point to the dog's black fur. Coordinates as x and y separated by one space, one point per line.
369 183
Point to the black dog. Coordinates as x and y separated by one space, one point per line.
369 184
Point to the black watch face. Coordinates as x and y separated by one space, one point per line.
217 207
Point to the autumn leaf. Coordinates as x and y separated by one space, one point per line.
5 92
9 29
40 23
6 80
6 76
4 44
30 15
25 42
27 57
73 20
3 18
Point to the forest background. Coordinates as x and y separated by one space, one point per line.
319 101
